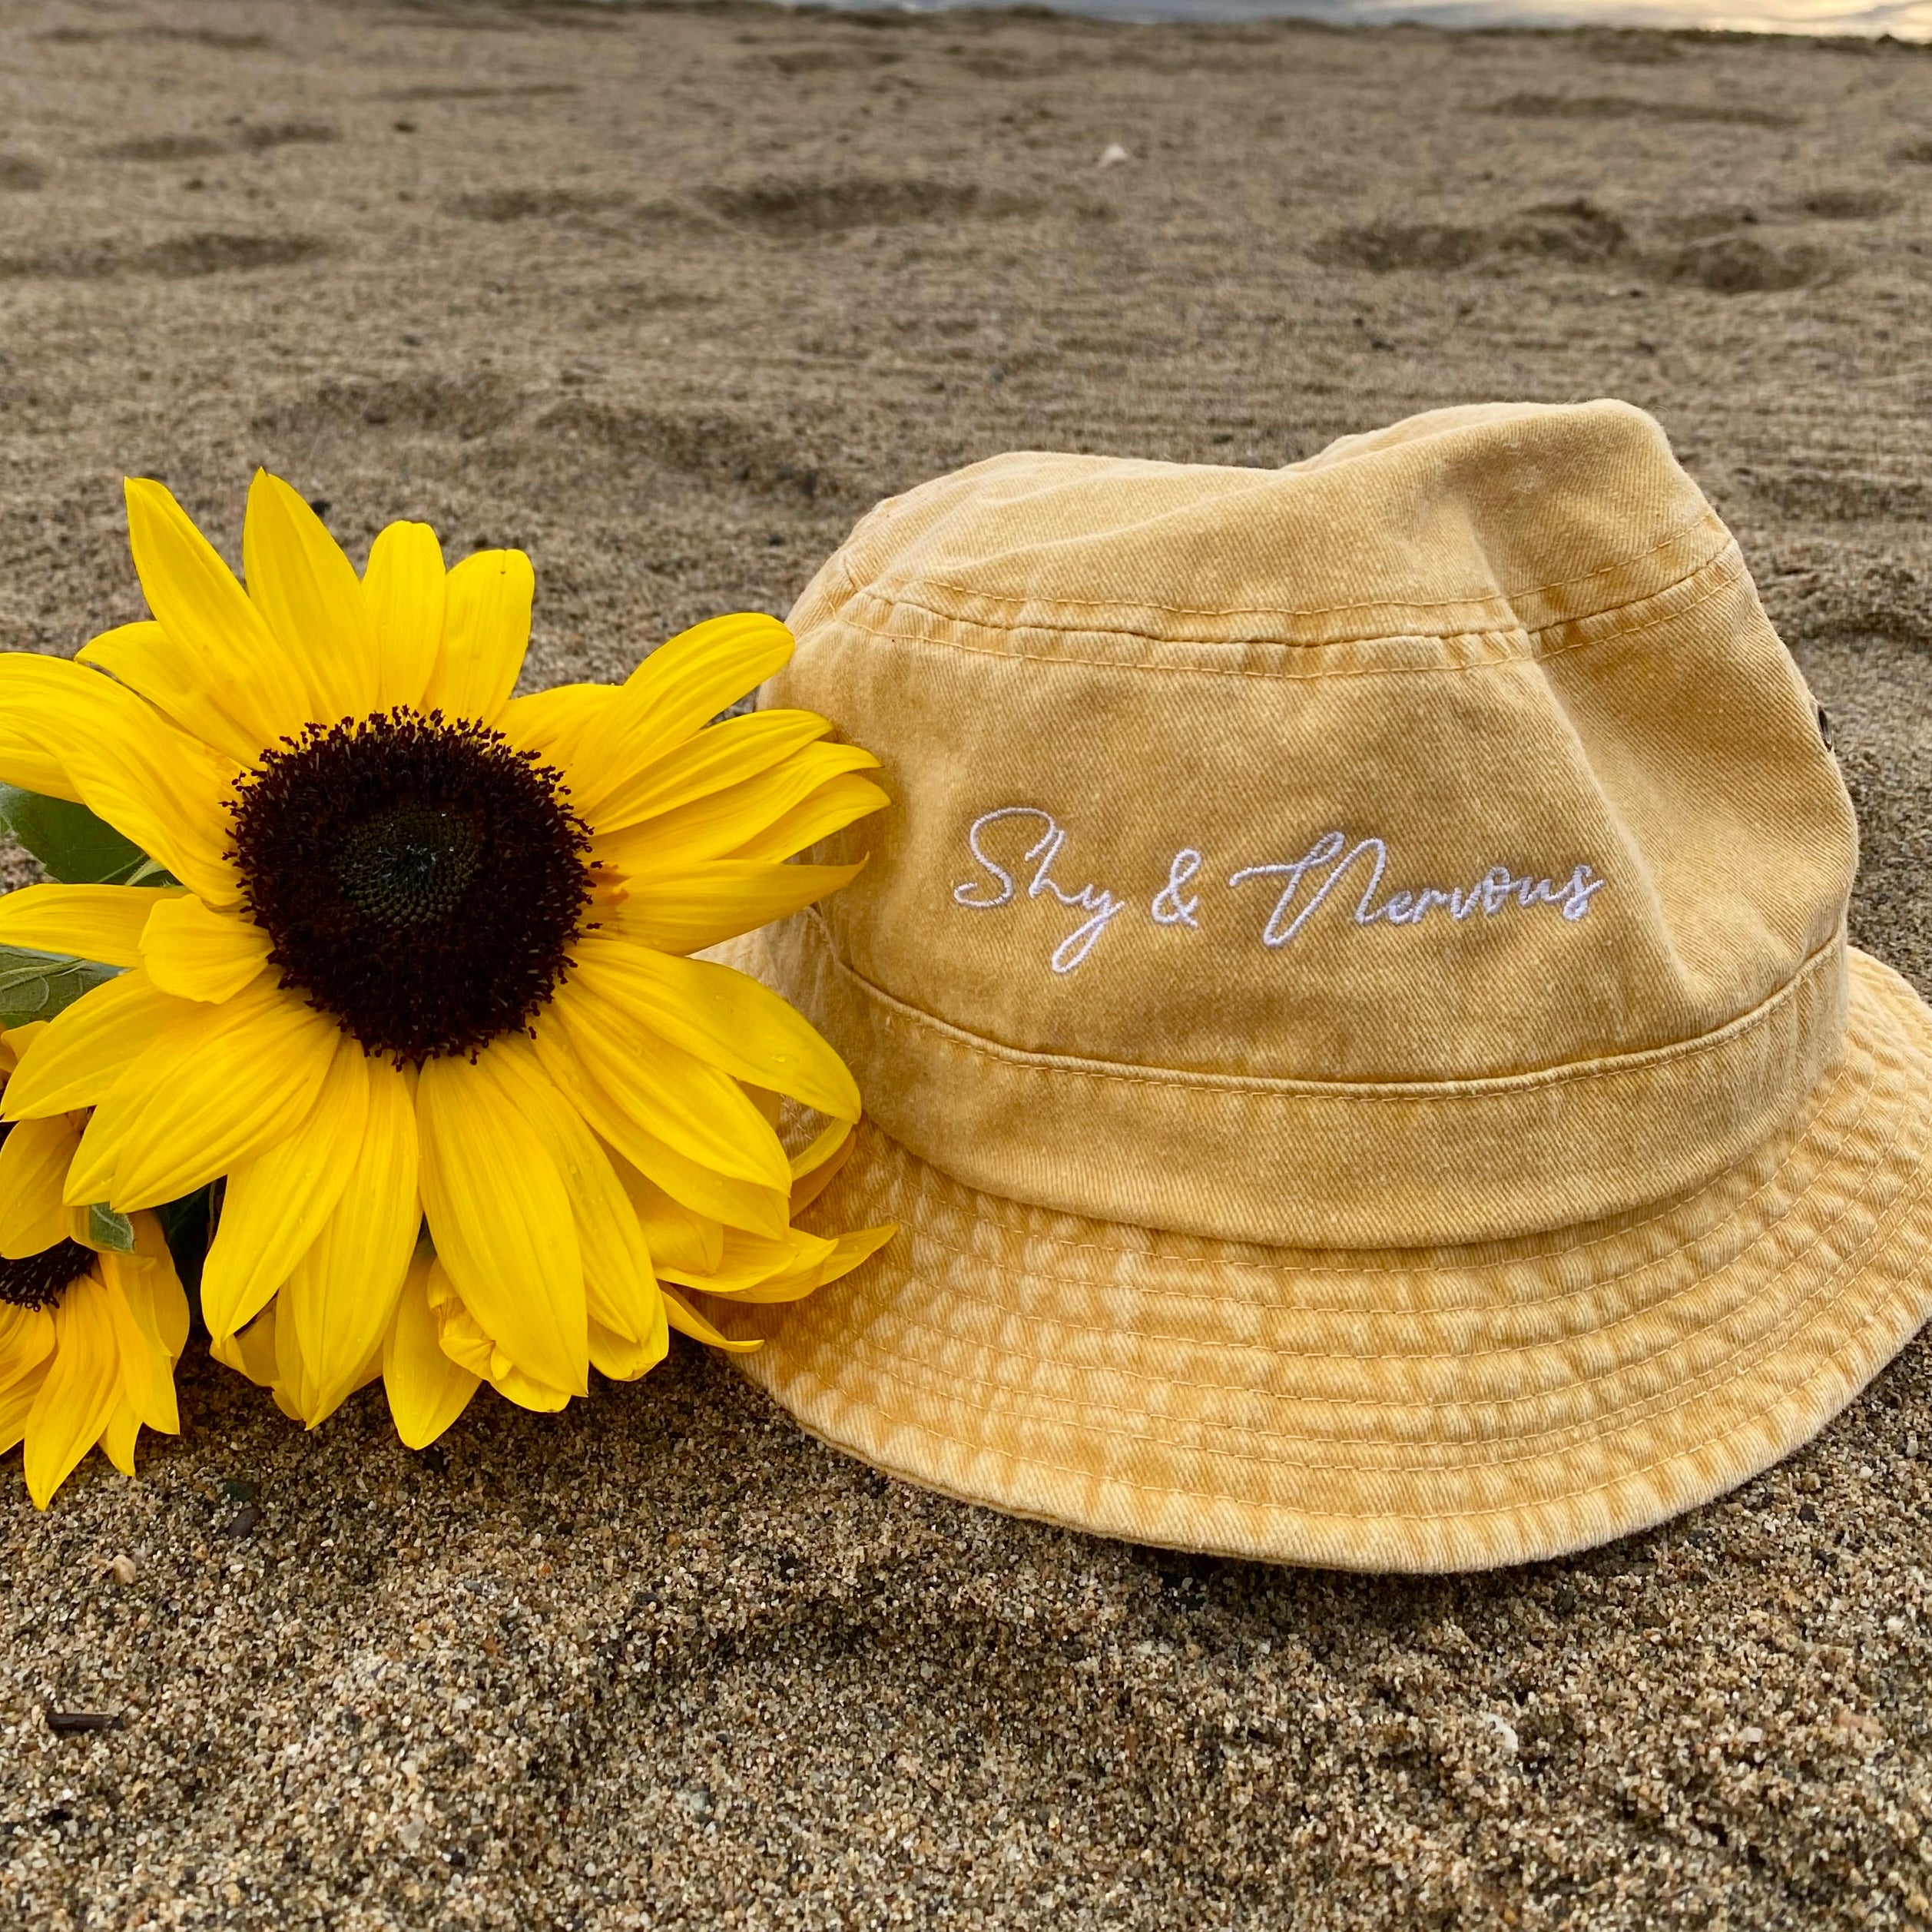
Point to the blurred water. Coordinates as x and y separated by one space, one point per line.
1905 19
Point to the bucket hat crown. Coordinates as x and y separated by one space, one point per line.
1353 1002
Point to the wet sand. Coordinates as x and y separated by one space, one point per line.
669 299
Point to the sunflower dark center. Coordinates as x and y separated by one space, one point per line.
420 880
411 865
39 1280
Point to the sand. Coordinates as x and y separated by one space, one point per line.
669 298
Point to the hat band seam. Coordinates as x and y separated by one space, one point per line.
1725 582
1706 516
1369 1271
1398 1091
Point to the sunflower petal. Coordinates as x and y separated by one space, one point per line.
500 1217
76 1401
749 1260
157 1287
146 659
677 1238
213 1089
427 1391
195 952
821 1157
458 1334
25 762
86 1048
308 591
856 1245
26 1341
342 1296
722 755
485 631
680 686
146 1369
158 786
252 1352
290 1373
33 1161
276 1203
526 1391
830 808
226 645
101 923
165 790
554 723
815 1170
701 1189
118 1439
620 1290
624 1359
687 1321
721 1016
674 1096
685 908
461 1338
17 1404
403 588
727 820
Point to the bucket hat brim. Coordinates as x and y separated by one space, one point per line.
1419 1410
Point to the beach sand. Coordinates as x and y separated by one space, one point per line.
668 299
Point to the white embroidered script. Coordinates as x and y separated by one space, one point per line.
1492 893
1331 868
1102 907
1172 904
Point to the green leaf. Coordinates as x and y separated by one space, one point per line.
107 1229
36 985
187 1225
76 848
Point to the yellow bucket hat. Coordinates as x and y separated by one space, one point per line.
1352 1001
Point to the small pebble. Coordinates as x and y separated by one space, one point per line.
242 1523
69 1723
123 1567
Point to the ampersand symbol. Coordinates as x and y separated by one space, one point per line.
1170 907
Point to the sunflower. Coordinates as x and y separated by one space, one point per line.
92 1318
417 987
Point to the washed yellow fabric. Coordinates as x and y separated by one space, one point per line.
1352 1001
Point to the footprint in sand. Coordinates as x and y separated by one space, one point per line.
1740 265
1618 106
1577 231
532 204
465 407
719 449
789 209
1847 204
211 253
257 138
